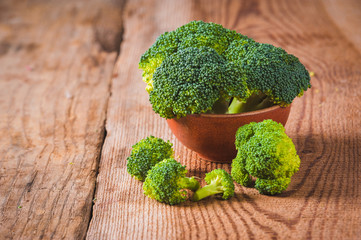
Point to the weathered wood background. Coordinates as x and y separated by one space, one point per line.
72 104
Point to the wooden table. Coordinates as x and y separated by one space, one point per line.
72 103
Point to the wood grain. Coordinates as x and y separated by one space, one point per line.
55 72
346 16
323 200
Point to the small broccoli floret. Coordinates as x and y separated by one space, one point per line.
270 71
192 81
145 154
219 182
166 182
267 153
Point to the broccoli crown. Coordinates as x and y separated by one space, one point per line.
145 154
267 153
219 182
192 80
270 70
253 69
166 182
194 34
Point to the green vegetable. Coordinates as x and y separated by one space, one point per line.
194 34
205 68
271 73
166 182
145 154
266 153
219 182
193 80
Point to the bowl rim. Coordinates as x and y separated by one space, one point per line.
235 115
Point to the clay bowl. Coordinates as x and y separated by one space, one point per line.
212 136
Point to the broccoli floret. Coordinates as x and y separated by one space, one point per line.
166 182
193 34
145 154
193 80
273 75
219 182
266 153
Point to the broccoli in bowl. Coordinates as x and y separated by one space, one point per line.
205 68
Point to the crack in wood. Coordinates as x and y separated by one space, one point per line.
110 42
108 27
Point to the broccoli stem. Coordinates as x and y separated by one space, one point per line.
207 191
189 183
236 106
255 102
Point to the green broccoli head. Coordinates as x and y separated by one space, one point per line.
267 153
194 34
272 75
219 182
145 154
270 70
166 182
193 80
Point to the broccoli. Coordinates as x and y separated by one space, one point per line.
145 154
166 182
266 153
194 34
219 182
193 80
205 68
273 75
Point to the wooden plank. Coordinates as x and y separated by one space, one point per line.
346 16
55 69
323 200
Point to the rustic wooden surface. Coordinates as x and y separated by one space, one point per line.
55 76
67 104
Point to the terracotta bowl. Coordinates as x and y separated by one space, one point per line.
212 136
